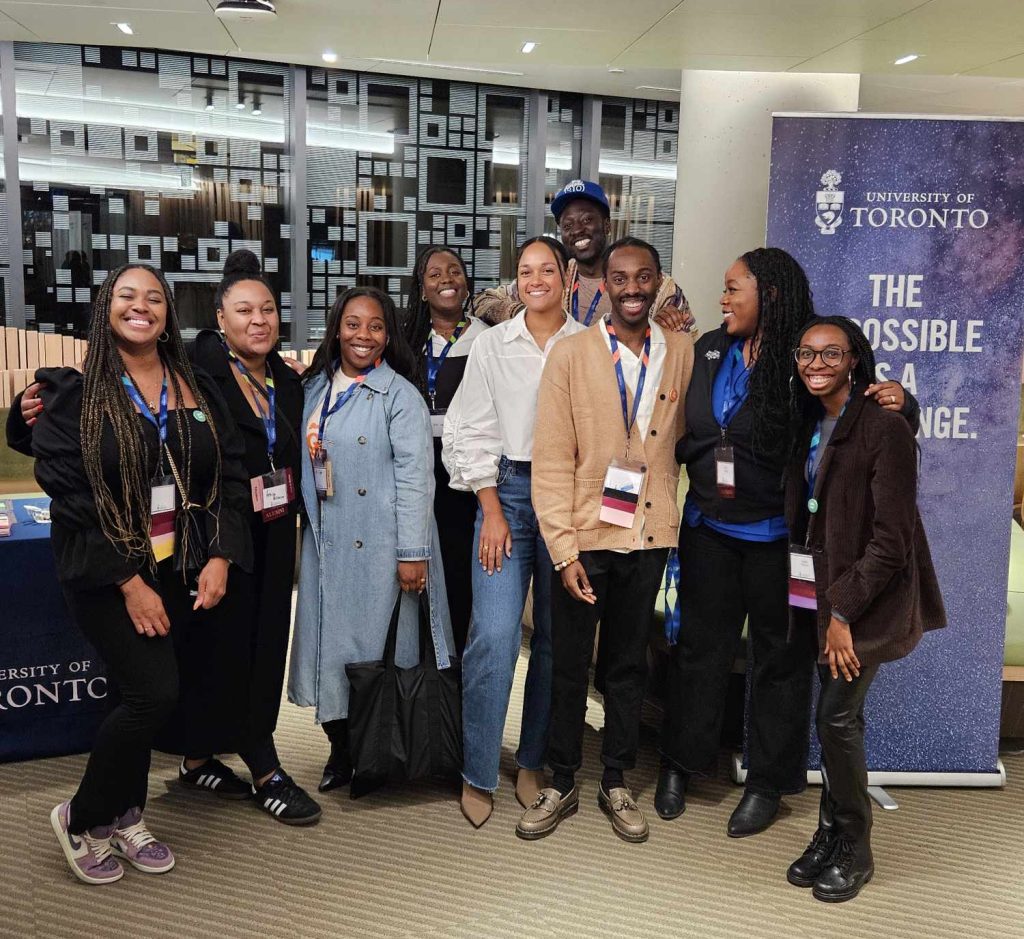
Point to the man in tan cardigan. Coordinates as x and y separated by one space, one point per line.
609 413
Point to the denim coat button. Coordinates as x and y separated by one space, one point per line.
362 439
357 544
361 492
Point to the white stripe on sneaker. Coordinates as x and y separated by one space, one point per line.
281 808
215 781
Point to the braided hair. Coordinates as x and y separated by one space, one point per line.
125 520
784 307
416 323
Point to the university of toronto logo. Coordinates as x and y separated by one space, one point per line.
828 203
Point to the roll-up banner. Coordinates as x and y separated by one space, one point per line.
914 227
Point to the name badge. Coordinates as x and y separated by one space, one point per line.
725 471
323 477
437 421
272 492
162 509
802 592
623 483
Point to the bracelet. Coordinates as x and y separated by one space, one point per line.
562 565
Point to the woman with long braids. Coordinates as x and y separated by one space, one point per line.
862 585
143 466
441 329
733 545
370 538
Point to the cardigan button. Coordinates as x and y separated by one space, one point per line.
357 544
362 439
661 397
361 492
654 433
650 538
647 505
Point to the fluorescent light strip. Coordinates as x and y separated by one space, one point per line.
657 88
448 68
125 28
903 60
528 47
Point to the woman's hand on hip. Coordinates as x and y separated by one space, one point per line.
145 608
839 650
213 584
412 576
31 403
495 540
574 579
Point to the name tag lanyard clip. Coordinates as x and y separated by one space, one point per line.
434 365
322 475
629 418
263 394
158 420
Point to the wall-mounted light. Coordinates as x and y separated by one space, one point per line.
240 104
528 47
209 99
329 57
904 59
125 28
257 108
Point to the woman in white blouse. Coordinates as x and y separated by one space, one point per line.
488 442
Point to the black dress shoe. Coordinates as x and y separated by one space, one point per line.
754 814
335 776
670 795
850 869
806 869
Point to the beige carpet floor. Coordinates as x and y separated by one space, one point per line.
403 862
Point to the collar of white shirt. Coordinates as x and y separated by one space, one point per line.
517 328
657 337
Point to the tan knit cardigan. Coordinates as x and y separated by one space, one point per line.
579 430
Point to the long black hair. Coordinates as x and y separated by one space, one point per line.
416 323
784 307
396 353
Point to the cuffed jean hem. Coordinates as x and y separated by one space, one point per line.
521 765
470 782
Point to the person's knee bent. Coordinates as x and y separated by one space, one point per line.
836 728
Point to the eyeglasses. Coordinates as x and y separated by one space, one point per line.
831 355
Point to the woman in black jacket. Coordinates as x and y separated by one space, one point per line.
733 545
143 466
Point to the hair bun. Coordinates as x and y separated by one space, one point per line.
242 261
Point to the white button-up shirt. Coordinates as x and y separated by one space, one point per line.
493 412
631 374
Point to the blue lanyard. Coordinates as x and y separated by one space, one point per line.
593 303
340 401
629 419
812 452
673 617
269 417
159 421
434 365
737 385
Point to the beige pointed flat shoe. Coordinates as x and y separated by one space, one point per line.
476 804
529 783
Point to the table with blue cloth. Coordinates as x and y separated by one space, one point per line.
53 688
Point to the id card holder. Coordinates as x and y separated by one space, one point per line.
802 592
163 506
623 483
271 493
323 478
725 471
437 421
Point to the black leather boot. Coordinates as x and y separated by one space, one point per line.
848 871
670 795
338 770
754 814
804 871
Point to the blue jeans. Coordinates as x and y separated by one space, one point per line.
495 634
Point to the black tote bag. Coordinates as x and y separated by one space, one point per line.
404 723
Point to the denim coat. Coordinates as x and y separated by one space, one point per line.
382 456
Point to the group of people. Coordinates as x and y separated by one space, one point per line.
469 447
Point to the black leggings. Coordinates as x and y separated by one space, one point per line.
145 672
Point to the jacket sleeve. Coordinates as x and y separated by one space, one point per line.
412 445
497 304
554 459
19 434
85 558
911 411
894 493
671 294
228 528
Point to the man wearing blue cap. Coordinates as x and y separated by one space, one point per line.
581 210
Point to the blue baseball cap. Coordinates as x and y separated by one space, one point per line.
579 189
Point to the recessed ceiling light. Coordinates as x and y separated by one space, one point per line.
330 57
125 28
443 67
528 47
657 88
209 100
904 59
616 71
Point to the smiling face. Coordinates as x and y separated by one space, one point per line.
539 279
584 230
739 302
249 319
362 334
632 279
824 361
138 310
444 284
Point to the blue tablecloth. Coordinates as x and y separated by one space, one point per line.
53 688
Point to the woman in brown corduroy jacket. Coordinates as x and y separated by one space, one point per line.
861 577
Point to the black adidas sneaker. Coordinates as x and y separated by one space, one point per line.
213 776
284 799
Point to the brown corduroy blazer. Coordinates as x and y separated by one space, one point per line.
872 564
579 431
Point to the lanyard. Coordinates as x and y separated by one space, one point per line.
673 617
434 365
269 416
340 401
812 470
735 391
593 303
629 419
159 421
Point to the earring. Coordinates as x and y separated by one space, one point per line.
164 336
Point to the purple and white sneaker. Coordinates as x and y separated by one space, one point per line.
133 841
88 854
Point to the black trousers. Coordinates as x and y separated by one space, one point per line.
845 803
626 586
724 581
145 671
455 513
